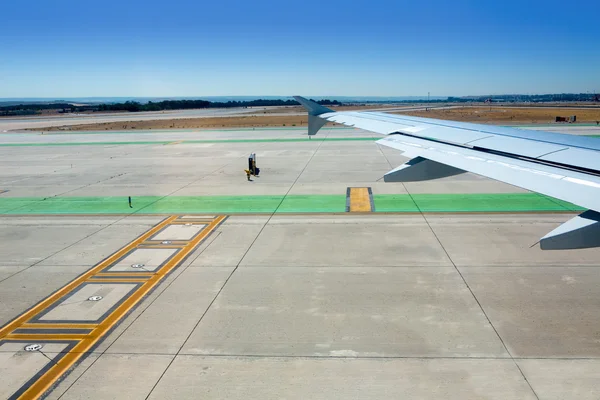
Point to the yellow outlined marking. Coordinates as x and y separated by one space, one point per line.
122 280
35 337
132 274
359 200
86 341
58 326
82 278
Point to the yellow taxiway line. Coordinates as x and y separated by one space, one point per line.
85 341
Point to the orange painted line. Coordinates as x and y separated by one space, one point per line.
85 344
192 222
123 280
79 280
161 246
47 336
141 274
59 326
360 200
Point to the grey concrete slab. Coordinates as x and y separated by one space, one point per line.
132 316
355 178
33 187
8 271
18 366
167 322
78 308
230 242
238 187
563 379
505 239
59 389
98 246
178 232
30 244
109 189
382 240
301 378
26 288
347 312
149 259
541 312
113 376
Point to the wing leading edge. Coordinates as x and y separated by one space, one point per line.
562 166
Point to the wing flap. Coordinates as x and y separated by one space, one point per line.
582 158
522 147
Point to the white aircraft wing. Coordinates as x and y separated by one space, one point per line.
562 166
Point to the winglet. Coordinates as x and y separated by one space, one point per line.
314 110
312 107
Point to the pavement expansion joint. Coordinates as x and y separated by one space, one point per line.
74 319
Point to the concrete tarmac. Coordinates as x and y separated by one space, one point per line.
269 304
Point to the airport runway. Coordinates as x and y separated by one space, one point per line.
15 123
18 123
315 280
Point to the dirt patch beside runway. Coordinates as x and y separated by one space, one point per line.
190 123
269 118
508 115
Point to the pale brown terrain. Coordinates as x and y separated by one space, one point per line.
509 115
190 123
269 118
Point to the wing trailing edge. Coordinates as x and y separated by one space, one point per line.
562 166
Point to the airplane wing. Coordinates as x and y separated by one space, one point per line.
562 166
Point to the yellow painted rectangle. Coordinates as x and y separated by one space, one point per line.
360 201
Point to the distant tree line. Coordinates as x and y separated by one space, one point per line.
134 106
30 109
534 98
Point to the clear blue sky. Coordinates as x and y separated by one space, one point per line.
374 48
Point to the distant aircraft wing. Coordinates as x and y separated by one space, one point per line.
562 166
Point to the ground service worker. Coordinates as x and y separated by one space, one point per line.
248 174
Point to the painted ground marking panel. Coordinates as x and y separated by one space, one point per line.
359 199
40 346
143 260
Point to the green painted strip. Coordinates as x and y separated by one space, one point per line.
499 202
394 203
313 203
214 204
77 205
